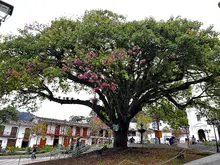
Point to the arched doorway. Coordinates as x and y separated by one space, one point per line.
201 135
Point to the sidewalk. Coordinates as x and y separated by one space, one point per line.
208 160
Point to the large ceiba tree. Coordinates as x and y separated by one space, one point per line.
125 64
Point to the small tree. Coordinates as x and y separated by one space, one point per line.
39 129
77 119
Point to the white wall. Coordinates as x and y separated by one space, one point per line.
4 142
196 125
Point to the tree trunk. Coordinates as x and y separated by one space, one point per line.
120 136
218 128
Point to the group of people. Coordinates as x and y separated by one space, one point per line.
171 140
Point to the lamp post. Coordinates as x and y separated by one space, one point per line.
141 131
186 127
213 122
5 10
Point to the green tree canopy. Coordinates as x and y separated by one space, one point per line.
77 119
8 114
126 64
166 112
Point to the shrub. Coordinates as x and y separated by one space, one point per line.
29 150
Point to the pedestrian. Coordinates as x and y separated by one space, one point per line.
171 140
187 139
33 155
193 140
77 141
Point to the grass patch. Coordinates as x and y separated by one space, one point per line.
125 156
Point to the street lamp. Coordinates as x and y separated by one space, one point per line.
142 130
5 10
213 122
186 127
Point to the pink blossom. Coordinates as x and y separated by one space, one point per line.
105 84
64 69
134 48
129 51
81 77
94 76
85 74
91 54
96 89
91 80
9 72
142 61
77 61
134 53
113 86
98 81
120 54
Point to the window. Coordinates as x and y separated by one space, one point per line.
27 133
14 131
198 117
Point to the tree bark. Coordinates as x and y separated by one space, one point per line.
120 136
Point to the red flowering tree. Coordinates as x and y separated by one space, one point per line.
126 65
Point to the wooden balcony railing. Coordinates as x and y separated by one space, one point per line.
8 134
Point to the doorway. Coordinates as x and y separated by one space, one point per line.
11 142
201 135
55 141
24 144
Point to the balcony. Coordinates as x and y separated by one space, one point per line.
8 134
50 132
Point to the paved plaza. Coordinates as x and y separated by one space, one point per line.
23 161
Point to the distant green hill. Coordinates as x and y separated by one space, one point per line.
27 116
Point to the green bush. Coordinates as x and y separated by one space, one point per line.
46 148
209 143
29 150
15 149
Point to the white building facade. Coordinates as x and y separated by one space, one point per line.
199 128
18 134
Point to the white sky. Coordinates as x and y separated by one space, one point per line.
43 11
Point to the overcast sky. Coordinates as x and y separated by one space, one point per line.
43 11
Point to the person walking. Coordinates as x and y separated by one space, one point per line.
33 155
171 140
193 139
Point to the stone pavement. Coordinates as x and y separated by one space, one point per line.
14 160
23 161
208 160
